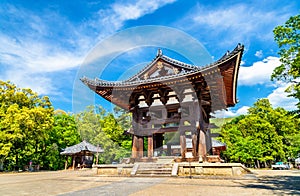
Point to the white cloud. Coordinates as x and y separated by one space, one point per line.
279 98
36 45
137 9
38 83
113 19
236 23
231 113
35 56
259 73
259 53
28 63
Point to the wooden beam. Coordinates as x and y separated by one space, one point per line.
215 134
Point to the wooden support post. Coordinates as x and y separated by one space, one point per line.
93 158
150 146
73 158
195 144
169 150
97 155
140 147
208 142
183 145
134 146
202 147
66 163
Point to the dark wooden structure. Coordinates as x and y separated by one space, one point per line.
171 96
82 155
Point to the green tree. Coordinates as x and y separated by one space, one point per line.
286 125
262 136
101 128
124 119
287 37
63 134
25 119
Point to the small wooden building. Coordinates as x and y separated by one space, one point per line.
171 96
82 154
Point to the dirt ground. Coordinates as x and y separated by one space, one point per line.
84 182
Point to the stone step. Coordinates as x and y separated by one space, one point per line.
153 175
155 169
155 165
164 161
153 172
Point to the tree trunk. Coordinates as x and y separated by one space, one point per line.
1 164
17 162
258 165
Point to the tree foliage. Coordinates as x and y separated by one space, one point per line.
63 134
25 119
101 128
31 131
262 136
287 37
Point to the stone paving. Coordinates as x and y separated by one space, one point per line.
264 182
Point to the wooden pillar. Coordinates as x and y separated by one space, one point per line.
140 147
183 145
82 159
202 147
93 159
169 149
150 146
66 163
134 146
195 144
73 158
97 155
208 142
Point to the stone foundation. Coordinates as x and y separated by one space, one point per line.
178 169
114 170
220 169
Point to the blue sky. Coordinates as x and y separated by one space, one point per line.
43 44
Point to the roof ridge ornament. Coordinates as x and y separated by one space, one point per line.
159 52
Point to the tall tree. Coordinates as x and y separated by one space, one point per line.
101 128
63 134
25 119
124 119
287 37
262 136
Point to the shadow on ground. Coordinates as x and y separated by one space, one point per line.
279 184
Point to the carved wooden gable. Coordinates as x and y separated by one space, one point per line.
160 68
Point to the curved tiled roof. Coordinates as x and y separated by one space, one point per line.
219 80
83 146
217 143
193 69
